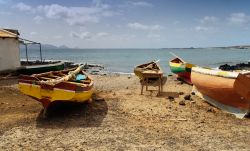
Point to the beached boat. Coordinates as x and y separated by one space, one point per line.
226 90
152 67
65 85
181 68
34 67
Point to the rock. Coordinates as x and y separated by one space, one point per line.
182 102
180 83
193 93
211 110
187 97
97 98
171 98
181 93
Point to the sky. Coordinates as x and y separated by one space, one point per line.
129 23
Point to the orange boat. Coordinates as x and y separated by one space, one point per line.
226 90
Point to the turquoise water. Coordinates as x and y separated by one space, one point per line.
124 60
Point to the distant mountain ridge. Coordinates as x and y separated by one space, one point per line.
44 46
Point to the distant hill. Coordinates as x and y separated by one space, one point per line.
241 47
44 46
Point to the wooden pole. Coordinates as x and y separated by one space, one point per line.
26 50
41 52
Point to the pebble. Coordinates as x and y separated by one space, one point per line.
211 110
180 83
181 93
182 102
187 97
96 98
171 98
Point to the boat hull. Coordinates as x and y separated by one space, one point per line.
183 70
140 69
219 91
28 70
57 86
56 94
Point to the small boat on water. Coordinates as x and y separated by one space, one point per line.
150 67
34 67
226 90
65 85
181 68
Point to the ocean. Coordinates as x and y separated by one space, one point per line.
124 60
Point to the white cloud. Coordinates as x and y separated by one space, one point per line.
72 15
153 36
209 19
102 34
82 35
144 27
201 28
38 19
82 20
99 3
33 33
57 37
23 7
239 18
140 4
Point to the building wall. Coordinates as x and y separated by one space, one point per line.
9 54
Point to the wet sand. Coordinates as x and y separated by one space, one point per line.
123 120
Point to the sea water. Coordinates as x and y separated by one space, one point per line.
124 60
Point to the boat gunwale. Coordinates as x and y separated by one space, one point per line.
217 73
42 65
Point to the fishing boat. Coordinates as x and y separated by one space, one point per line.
181 68
227 90
34 67
150 67
150 74
65 85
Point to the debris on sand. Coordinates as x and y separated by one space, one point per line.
187 97
181 93
171 98
182 102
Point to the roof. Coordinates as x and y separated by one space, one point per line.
9 33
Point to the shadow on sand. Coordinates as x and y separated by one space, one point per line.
70 114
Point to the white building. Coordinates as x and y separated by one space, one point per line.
9 50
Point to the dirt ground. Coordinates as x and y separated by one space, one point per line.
123 120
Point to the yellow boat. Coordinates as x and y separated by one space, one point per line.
65 85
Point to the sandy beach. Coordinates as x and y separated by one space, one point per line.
119 118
